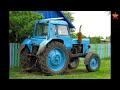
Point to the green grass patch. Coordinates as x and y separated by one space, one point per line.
79 73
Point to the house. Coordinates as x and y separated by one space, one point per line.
105 40
55 14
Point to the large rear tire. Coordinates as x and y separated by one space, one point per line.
24 58
55 59
27 64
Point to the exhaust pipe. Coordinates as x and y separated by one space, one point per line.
80 35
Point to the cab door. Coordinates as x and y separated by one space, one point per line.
63 33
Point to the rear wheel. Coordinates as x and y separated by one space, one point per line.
27 63
54 60
74 64
24 58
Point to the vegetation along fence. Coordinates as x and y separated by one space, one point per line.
103 50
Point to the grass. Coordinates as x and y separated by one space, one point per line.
79 73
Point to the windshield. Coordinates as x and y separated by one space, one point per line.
41 29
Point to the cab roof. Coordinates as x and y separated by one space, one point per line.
56 14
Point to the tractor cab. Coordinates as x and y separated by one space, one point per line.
51 28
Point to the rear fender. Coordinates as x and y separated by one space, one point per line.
23 46
26 42
43 45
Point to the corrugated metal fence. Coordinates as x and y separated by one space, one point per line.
103 50
13 55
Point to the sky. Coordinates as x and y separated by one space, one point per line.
94 23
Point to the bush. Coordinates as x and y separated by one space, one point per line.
21 24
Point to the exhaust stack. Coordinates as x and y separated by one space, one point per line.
80 35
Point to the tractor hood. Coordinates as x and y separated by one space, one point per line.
35 40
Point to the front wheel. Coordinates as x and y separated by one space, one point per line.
93 62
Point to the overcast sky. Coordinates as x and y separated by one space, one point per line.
94 23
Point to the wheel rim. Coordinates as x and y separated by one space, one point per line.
94 63
56 59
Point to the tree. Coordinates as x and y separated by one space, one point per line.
96 40
108 37
69 15
75 35
71 18
21 24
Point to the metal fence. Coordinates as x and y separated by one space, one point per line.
103 50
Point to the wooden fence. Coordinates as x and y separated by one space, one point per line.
103 50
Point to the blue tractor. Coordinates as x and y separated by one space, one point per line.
52 50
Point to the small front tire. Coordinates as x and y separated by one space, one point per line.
93 63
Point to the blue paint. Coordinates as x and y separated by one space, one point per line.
93 47
102 51
45 42
27 42
56 59
56 14
106 50
67 42
94 63
36 40
85 43
52 36
98 49
110 50
75 41
60 22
